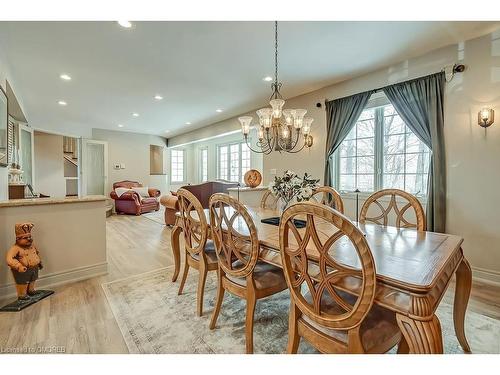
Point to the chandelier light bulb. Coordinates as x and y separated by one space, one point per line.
265 117
299 118
277 105
285 132
289 114
261 132
306 127
245 124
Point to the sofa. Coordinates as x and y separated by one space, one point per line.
130 202
201 191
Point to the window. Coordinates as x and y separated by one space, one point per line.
177 165
233 161
204 164
382 152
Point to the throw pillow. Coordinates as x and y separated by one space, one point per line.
142 191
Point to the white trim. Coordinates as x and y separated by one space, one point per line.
206 139
59 278
486 276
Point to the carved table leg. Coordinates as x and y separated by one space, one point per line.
462 292
176 250
422 336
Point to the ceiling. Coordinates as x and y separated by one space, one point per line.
197 67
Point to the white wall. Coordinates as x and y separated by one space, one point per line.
472 153
132 150
49 165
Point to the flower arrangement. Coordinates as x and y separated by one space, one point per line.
291 186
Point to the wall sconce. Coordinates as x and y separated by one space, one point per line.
486 117
309 141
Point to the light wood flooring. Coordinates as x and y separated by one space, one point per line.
78 316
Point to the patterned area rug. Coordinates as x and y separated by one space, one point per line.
156 216
154 319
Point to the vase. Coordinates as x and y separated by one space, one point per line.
283 205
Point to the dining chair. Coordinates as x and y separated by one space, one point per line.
330 319
329 196
269 200
240 272
387 200
200 251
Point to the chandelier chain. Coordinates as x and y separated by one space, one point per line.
276 53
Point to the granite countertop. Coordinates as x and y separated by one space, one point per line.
41 201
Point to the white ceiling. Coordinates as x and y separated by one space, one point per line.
196 66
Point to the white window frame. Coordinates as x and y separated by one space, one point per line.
378 151
240 154
203 150
172 181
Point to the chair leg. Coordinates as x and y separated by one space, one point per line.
184 275
201 289
251 301
293 332
218 302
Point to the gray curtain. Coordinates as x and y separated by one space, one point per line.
341 116
419 102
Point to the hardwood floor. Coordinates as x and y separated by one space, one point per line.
78 317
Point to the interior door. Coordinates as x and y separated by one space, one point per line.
93 162
26 154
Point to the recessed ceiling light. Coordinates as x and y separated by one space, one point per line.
125 24
120 125
62 102
65 77
219 110
135 114
158 97
267 79
188 123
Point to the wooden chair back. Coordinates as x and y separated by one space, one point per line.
387 200
329 196
193 222
310 280
234 235
269 200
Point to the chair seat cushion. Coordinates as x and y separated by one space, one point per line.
209 251
378 326
149 200
265 276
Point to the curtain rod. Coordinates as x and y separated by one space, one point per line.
457 68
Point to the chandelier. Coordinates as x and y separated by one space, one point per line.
279 129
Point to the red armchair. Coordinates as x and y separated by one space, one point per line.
131 203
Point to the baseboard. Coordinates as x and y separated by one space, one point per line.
486 276
59 278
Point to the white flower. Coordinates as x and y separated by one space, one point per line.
306 192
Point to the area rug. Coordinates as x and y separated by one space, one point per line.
154 319
156 216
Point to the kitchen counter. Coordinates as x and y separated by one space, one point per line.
42 201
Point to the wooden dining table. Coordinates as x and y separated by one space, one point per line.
414 269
